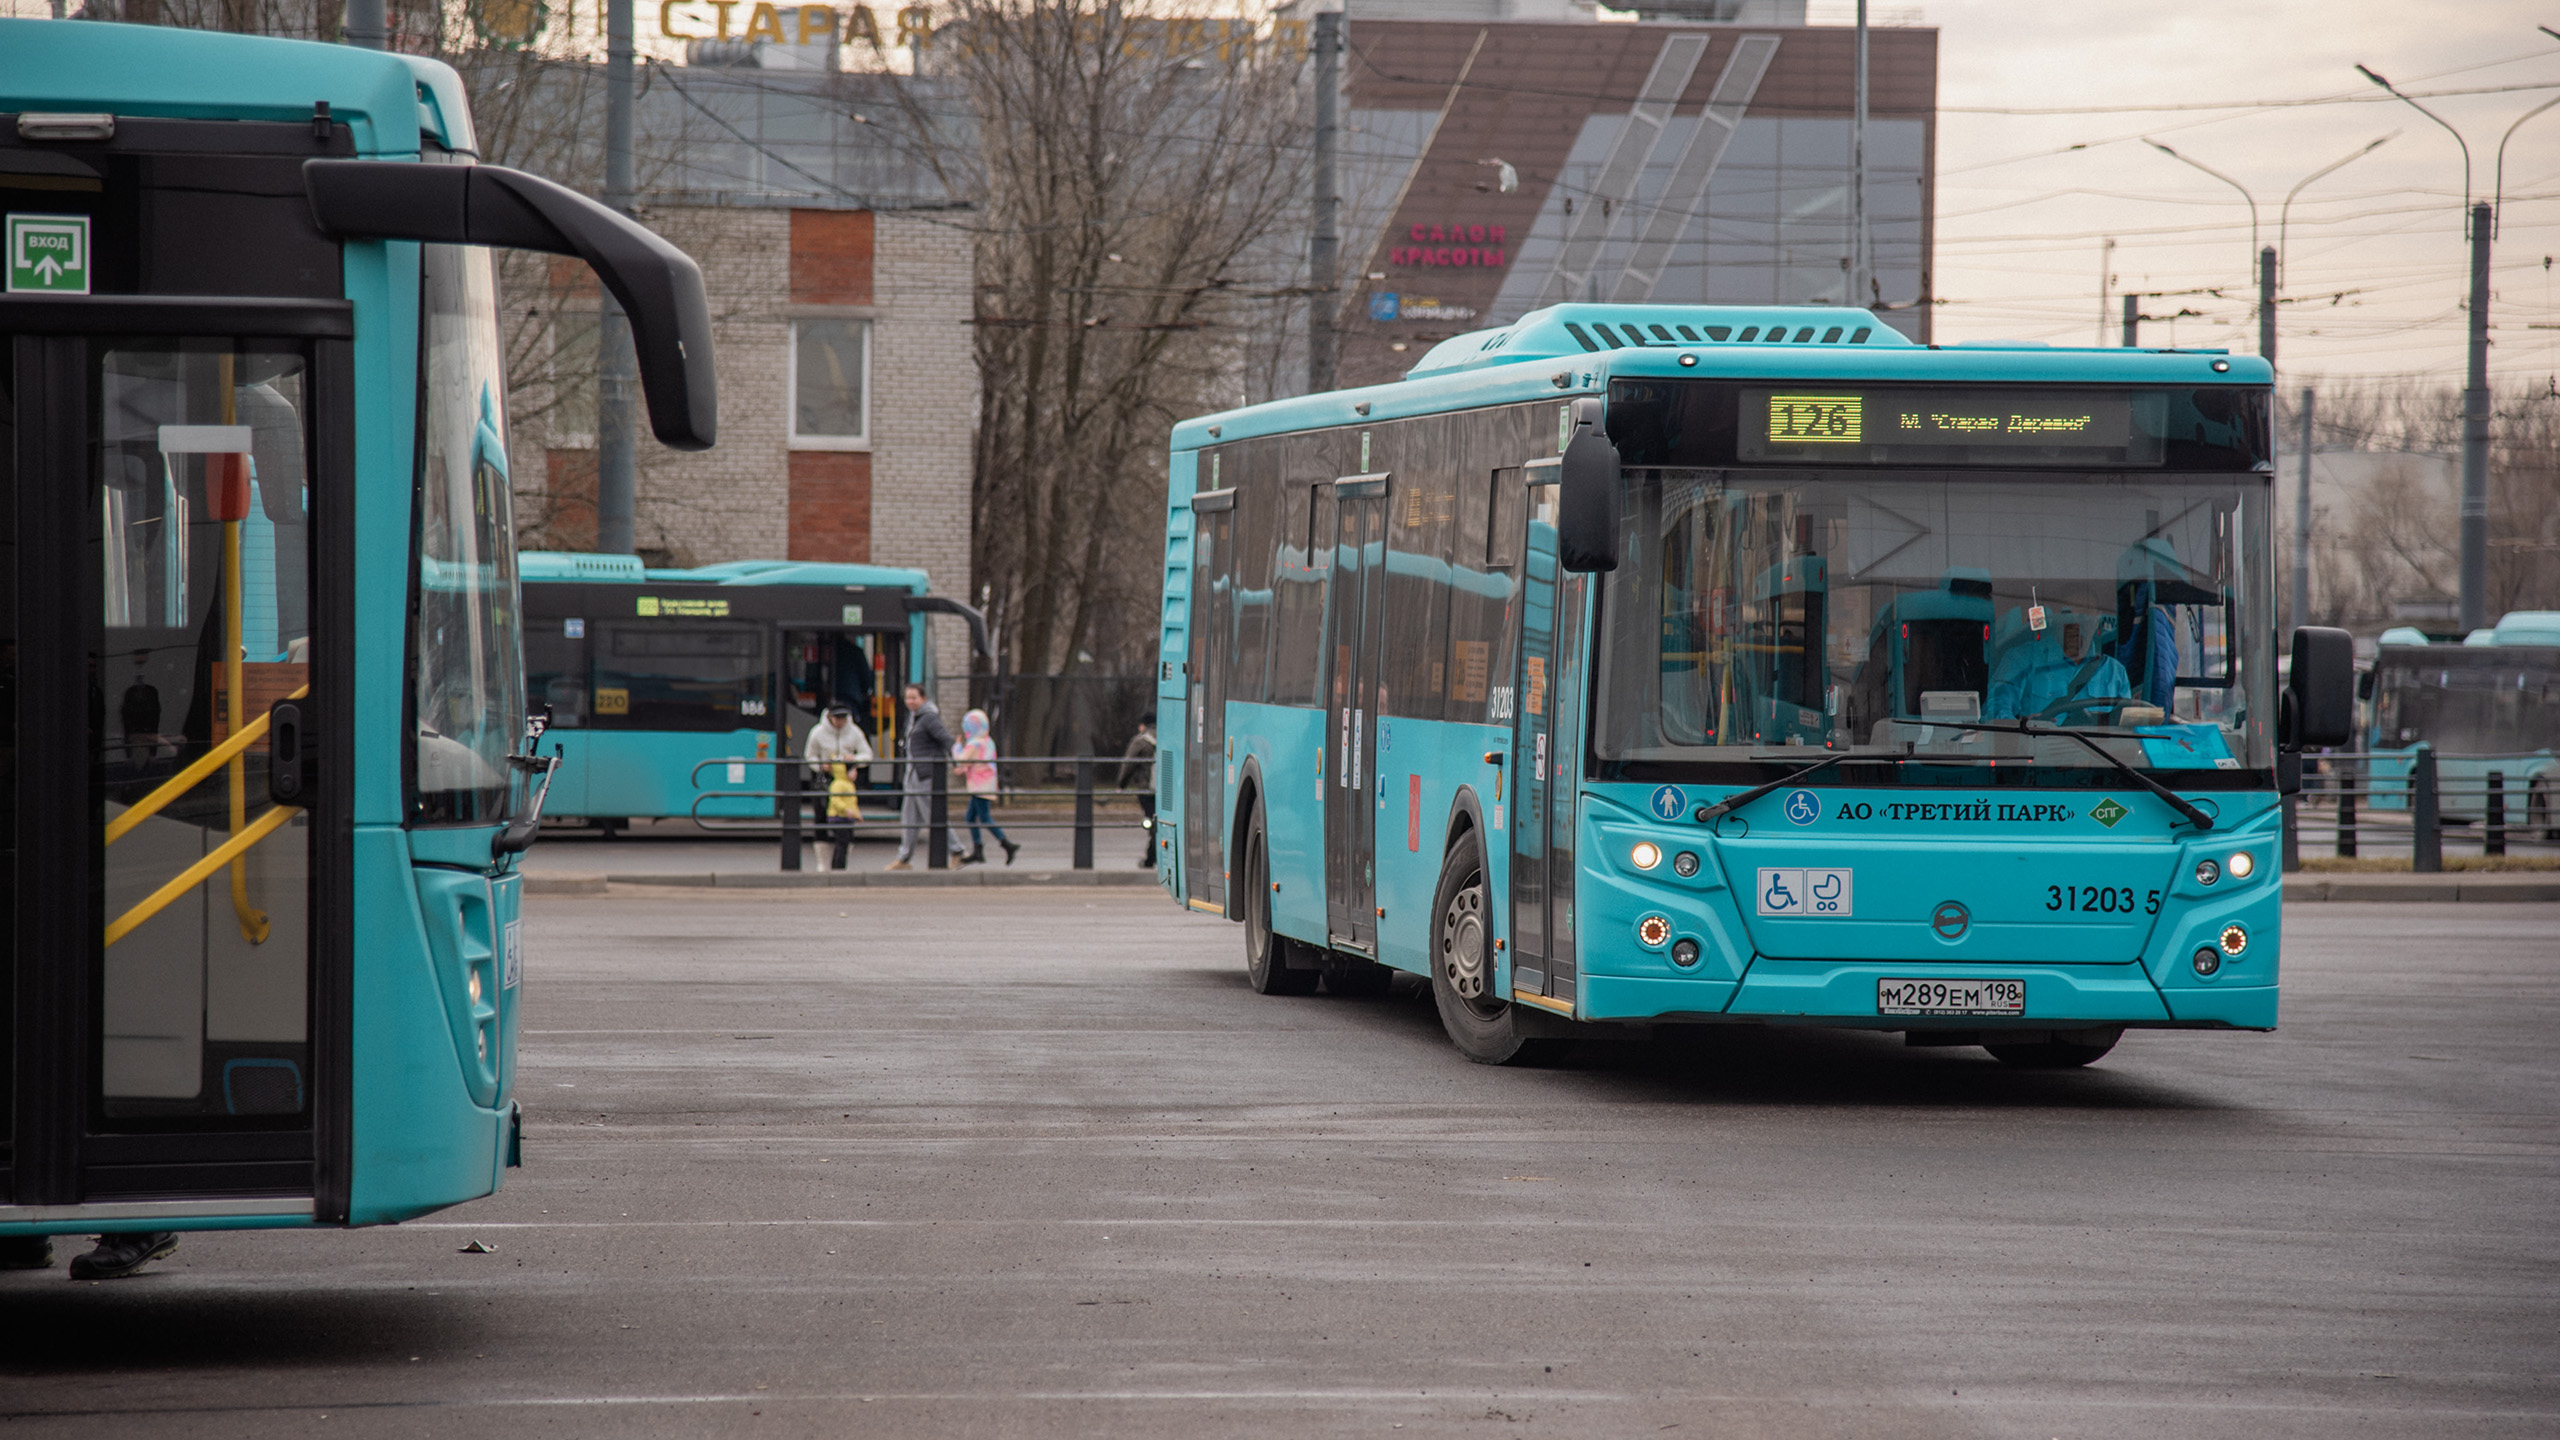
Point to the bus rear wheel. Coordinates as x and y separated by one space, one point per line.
2057 1053
1484 1027
1266 955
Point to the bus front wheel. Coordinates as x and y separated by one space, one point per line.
1266 965
1484 1027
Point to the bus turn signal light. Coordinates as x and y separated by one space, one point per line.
2234 940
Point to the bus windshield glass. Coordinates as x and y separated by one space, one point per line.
465 663
2468 700
1763 616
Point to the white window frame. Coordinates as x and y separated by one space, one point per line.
865 317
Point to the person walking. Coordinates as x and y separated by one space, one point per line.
977 753
836 743
929 745
115 1256
1138 763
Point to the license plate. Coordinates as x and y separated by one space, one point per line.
1951 997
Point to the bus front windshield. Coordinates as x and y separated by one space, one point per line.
1760 616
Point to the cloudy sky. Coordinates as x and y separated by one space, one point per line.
2040 159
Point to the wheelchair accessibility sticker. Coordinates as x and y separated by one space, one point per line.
1804 807
1809 893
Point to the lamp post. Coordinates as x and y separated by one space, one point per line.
2261 261
2478 223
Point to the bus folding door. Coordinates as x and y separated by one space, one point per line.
1546 748
1204 788
1354 624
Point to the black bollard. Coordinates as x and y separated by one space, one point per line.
789 775
1084 811
2347 812
939 840
2493 833
2427 824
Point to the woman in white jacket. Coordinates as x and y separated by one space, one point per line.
834 741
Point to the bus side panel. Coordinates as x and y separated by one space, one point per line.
568 794
1422 767
651 772
419 1142
1173 675
1287 744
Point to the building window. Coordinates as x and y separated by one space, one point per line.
830 384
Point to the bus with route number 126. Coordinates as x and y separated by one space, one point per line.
269 768
1722 665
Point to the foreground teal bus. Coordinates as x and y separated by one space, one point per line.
2489 704
662 686
1669 665
269 765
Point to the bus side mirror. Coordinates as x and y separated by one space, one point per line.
2322 688
1587 495
658 285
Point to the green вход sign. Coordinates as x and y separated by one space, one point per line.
48 254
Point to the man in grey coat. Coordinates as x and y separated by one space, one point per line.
928 741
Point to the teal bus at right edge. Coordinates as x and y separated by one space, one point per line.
1675 665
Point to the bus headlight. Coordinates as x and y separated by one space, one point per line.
2207 872
2241 863
475 986
2207 960
1685 954
1685 864
1646 855
2234 940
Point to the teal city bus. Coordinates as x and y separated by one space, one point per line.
661 684
1670 665
269 765
2489 704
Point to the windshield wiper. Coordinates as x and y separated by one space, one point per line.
2201 820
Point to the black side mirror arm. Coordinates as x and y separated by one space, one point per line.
658 285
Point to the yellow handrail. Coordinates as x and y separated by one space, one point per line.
187 779
194 875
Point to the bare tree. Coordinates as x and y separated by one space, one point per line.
2392 535
1128 171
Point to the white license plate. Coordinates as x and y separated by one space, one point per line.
1951 997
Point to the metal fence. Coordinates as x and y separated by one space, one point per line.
2359 803
1090 782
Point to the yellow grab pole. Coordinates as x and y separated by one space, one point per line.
254 925
229 851
187 779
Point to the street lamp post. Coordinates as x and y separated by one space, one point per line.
2478 222
2262 261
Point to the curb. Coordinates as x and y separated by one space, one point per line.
2413 889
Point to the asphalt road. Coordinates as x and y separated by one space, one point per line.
1037 1163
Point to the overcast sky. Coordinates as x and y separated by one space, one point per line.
2022 213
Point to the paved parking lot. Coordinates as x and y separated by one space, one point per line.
927 1162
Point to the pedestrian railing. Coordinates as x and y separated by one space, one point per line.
2398 800
794 790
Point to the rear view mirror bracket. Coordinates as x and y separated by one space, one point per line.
658 285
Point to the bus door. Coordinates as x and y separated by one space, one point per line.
1204 789
1354 622
1547 737
171 925
863 669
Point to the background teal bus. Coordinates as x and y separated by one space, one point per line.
268 753
1681 665
649 673
2489 703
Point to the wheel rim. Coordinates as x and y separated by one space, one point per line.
1466 956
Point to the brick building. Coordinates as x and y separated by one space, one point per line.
839 279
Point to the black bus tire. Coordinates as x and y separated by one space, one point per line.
1485 1028
1266 951
2052 1054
